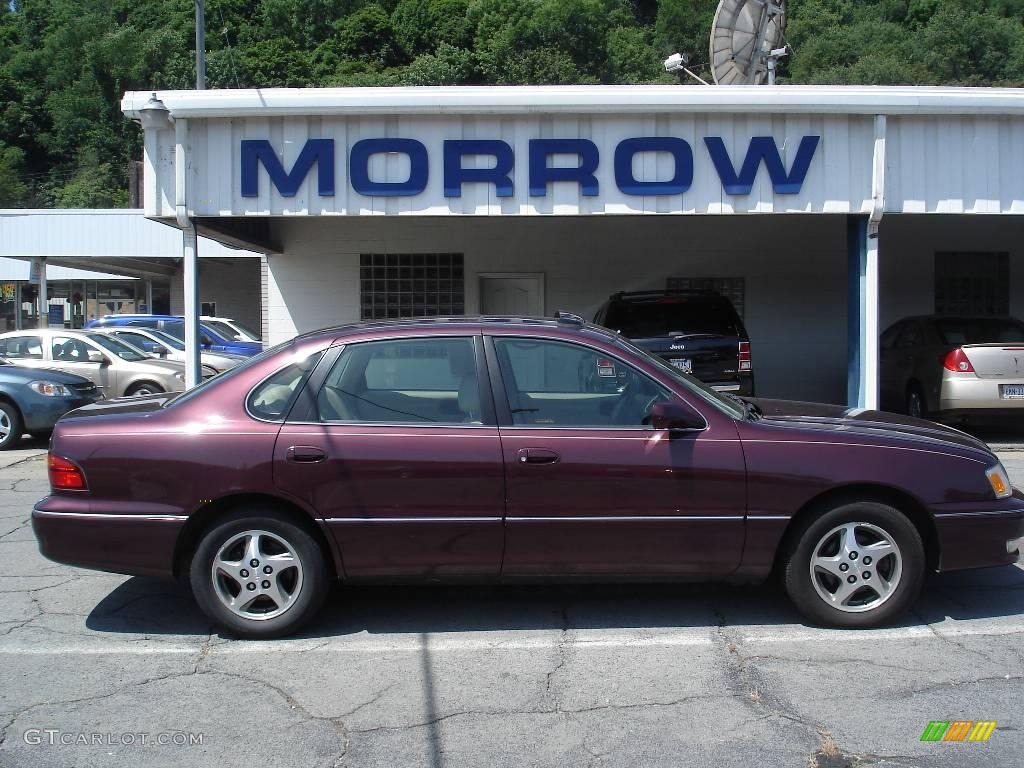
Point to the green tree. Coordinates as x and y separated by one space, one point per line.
13 191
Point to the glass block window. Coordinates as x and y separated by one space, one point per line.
399 285
733 288
972 283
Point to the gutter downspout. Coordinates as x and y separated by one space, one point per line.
189 252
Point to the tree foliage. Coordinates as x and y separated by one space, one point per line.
64 64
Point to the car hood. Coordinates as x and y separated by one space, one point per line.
863 422
165 366
16 373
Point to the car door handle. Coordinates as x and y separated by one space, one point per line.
305 454
537 456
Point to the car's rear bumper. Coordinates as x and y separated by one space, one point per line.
979 536
136 544
968 394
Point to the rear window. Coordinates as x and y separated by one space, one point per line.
956 331
699 314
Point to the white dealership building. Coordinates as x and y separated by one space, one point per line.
825 213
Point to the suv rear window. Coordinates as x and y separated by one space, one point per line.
960 330
682 314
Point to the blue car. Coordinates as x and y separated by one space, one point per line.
210 340
32 399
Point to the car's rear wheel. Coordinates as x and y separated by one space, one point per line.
258 574
144 388
857 565
10 425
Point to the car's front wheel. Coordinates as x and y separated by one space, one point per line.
857 565
10 425
258 574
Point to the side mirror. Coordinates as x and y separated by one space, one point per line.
95 356
677 417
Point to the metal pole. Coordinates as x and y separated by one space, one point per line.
44 301
149 297
200 45
190 254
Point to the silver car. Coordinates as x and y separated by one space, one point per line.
166 347
115 366
953 368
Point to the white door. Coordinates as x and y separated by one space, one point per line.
512 295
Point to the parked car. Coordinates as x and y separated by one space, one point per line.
698 332
231 329
473 448
114 366
210 340
159 344
32 400
953 368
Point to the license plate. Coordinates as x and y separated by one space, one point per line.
1011 391
686 365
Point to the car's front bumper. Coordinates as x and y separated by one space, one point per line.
136 542
41 412
979 536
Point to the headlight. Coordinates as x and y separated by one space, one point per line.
50 389
999 481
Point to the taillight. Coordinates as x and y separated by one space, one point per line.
65 475
745 362
958 362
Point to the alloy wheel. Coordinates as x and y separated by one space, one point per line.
5 426
856 567
256 575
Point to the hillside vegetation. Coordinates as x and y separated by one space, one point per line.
65 63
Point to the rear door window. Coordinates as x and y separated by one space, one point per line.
22 348
673 314
404 381
956 331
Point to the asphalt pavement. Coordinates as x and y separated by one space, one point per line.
105 670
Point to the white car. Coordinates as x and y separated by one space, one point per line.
162 345
231 329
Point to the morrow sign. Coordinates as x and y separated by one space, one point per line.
540 172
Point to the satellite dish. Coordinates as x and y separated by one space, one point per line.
745 40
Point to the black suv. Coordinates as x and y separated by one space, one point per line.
698 332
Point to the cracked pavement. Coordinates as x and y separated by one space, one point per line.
656 675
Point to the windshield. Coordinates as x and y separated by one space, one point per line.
246 330
122 349
731 406
956 331
167 339
673 314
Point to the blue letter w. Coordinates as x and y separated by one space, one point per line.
762 148
319 151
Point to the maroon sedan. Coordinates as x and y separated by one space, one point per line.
505 448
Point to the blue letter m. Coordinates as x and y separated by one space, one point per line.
319 151
762 148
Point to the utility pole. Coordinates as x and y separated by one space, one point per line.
200 45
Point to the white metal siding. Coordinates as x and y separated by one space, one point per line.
955 164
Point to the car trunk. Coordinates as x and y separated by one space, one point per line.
996 360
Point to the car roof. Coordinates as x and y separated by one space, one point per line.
469 323
49 332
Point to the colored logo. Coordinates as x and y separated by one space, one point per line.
958 730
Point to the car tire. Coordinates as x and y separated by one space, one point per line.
11 427
144 388
285 599
917 406
829 578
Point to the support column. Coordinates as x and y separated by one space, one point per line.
862 304
149 296
190 253
44 300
